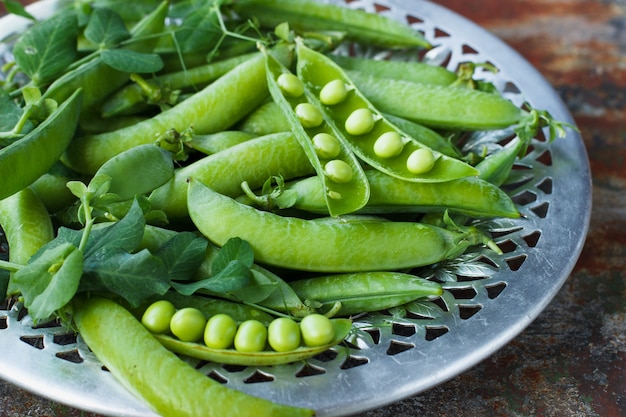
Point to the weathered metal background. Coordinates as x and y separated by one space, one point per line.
571 360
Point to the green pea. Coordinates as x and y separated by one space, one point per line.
158 315
188 324
283 334
326 146
220 331
308 115
251 336
317 330
338 171
360 122
388 145
290 84
420 161
334 92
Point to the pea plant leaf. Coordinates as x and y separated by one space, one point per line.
106 28
125 234
15 7
200 28
182 255
49 281
47 48
232 277
235 249
133 276
131 61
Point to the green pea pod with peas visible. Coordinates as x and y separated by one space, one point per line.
363 292
217 107
253 161
366 131
345 187
436 106
25 160
130 352
470 196
262 358
334 245
211 306
310 15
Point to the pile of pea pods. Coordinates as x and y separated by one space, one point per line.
292 183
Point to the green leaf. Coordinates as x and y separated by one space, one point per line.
10 115
233 277
235 249
125 234
129 61
15 7
200 29
45 50
254 294
50 281
106 28
182 255
135 277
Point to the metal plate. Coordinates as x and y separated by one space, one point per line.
479 313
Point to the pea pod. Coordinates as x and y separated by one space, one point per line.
365 291
219 141
309 15
25 160
319 72
150 165
26 224
397 70
263 358
266 119
253 161
470 196
133 97
345 191
438 106
130 352
217 107
496 167
335 245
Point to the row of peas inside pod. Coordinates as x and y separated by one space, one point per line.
221 339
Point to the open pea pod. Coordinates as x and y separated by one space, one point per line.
27 159
345 191
264 358
367 132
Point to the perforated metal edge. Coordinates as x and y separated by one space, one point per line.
530 273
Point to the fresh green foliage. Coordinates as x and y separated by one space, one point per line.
106 28
15 7
131 61
48 48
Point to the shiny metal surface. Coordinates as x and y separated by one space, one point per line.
477 315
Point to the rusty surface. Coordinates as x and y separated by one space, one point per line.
571 360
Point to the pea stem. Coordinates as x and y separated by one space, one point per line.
10 266
89 221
